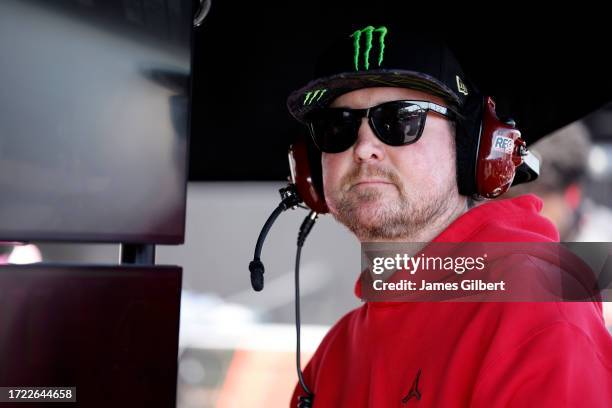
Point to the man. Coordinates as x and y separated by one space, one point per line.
413 189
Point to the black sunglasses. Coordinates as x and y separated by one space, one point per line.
395 123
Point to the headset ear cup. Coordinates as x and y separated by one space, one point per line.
316 172
307 174
466 160
500 153
467 141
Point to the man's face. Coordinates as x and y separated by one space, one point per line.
383 192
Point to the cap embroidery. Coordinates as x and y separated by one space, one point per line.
368 31
313 96
461 86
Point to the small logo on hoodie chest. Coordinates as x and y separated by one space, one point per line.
414 392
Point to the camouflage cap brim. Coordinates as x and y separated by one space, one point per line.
321 92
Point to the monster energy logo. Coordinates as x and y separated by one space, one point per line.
313 96
369 33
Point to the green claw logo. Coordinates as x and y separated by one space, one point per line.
313 96
369 33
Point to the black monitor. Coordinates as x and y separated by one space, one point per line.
110 331
94 110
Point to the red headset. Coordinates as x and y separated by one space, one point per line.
491 156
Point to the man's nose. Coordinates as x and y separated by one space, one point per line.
367 147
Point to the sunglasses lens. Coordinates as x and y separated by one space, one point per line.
398 124
334 130
395 123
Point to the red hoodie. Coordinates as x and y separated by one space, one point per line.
400 354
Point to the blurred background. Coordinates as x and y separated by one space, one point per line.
236 347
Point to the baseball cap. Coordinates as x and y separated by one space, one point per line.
378 56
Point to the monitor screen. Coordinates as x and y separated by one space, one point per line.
110 332
94 111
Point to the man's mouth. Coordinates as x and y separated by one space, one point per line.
371 182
